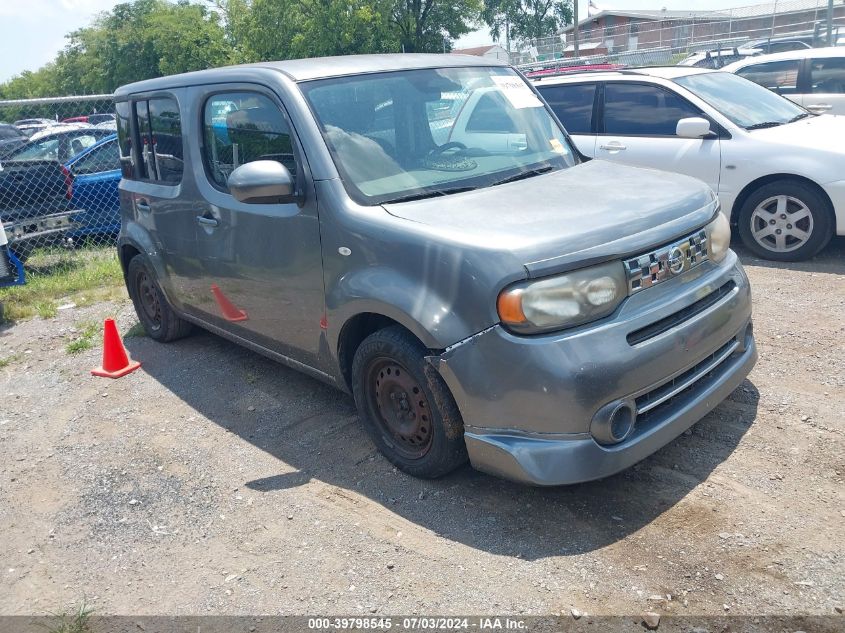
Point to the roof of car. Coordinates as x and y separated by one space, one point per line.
320 67
663 72
804 53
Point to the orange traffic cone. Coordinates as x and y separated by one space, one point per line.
230 312
116 363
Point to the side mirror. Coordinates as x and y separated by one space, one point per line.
693 127
261 182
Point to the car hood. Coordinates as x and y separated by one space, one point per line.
566 219
824 132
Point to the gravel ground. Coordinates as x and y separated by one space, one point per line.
215 481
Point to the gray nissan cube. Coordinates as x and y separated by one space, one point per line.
419 231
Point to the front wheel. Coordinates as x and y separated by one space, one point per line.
160 321
785 221
405 406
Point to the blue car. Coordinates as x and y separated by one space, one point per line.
92 178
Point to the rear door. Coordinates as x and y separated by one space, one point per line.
826 89
574 105
152 189
261 263
637 127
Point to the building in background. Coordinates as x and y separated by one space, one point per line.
494 51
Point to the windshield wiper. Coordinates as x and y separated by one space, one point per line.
523 174
798 117
422 195
764 124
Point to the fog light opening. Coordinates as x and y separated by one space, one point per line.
622 422
614 422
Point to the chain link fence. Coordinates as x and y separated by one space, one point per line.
59 175
642 38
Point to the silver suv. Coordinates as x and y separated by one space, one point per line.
484 293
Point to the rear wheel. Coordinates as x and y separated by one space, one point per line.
160 321
785 221
405 406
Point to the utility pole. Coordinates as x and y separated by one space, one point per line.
830 22
576 53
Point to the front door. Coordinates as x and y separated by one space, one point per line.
262 265
639 129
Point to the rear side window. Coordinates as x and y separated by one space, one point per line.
779 77
242 127
159 129
641 110
828 75
103 158
79 143
573 105
124 139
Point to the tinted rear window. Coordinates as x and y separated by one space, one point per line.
573 105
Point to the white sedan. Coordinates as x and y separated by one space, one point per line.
779 171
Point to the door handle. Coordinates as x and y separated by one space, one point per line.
143 205
613 147
819 107
206 221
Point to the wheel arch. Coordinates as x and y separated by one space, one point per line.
353 332
752 186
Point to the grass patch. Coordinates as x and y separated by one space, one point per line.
57 275
5 362
71 621
85 339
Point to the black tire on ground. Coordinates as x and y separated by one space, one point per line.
404 405
160 321
792 199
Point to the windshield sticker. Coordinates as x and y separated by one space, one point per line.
517 92
557 146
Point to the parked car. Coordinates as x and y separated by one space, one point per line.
31 126
778 169
10 139
719 57
550 319
93 119
33 189
91 179
813 78
768 46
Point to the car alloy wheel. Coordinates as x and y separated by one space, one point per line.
781 224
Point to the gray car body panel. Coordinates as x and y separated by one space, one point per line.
437 266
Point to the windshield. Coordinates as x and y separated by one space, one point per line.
419 133
747 104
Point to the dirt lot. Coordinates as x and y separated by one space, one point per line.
215 481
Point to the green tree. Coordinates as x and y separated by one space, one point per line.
526 20
134 41
428 26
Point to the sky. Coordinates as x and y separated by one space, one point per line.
34 30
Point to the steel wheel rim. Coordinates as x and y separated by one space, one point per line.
149 299
781 224
400 408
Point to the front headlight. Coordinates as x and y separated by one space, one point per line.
563 301
718 238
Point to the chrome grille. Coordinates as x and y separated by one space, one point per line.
649 269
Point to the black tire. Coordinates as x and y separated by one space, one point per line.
160 321
404 405
819 222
